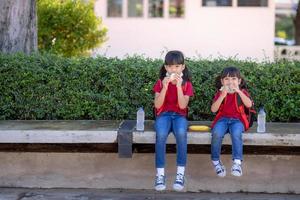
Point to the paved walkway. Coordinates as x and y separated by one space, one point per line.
94 194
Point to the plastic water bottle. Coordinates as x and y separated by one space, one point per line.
261 121
140 119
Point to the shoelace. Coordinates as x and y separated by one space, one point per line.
236 167
219 168
179 178
159 180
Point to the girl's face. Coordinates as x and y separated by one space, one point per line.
231 81
175 68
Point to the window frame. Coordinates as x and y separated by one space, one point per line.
107 10
149 10
250 6
222 6
175 17
142 10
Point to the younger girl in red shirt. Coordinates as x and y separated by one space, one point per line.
230 118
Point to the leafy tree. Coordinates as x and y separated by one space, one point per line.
69 27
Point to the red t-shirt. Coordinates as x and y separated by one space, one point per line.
229 108
171 100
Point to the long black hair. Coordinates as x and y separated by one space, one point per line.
175 58
231 72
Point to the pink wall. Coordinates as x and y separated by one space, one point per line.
208 32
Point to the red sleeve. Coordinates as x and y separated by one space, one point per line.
157 86
189 89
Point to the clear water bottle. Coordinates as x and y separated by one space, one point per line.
140 119
261 121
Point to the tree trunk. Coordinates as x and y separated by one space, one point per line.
297 25
18 26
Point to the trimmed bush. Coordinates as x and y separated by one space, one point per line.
50 87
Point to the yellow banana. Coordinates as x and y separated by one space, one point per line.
199 128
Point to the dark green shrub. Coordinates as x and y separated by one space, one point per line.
52 87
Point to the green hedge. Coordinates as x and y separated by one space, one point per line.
52 87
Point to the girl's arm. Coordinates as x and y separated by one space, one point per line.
160 97
183 100
216 105
245 99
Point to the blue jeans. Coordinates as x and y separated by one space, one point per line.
224 125
170 122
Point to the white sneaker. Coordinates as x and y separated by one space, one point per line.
236 170
220 169
160 183
179 182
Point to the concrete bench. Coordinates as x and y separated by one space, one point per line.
58 131
124 134
277 134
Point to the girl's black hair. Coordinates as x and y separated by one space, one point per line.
174 58
231 72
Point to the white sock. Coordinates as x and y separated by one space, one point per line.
180 169
237 161
160 171
215 162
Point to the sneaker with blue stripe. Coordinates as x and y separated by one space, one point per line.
179 182
236 169
220 169
160 183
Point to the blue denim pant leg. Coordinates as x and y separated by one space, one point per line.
179 127
164 124
236 129
218 132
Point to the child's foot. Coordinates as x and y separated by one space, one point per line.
160 183
236 169
220 169
179 182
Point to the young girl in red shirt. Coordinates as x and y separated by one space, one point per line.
230 118
172 91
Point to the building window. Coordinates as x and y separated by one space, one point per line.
135 8
176 8
156 8
114 8
216 2
256 3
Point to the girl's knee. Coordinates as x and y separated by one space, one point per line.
161 136
236 135
216 139
180 133
181 139
217 134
